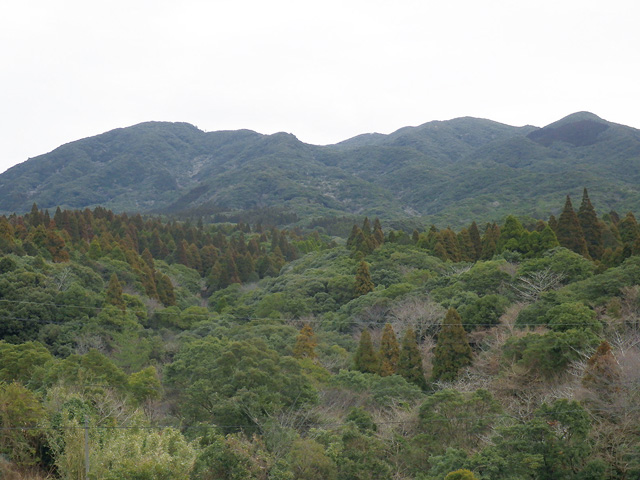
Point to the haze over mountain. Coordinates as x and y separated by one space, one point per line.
448 172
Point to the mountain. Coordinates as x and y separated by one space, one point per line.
448 172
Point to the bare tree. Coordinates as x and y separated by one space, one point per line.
531 286
419 313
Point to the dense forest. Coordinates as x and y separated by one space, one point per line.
151 348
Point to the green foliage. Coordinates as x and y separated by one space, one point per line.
143 454
452 351
365 359
364 284
410 360
452 419
389 351
461 475
305 343
550 353
19 407
235 383
25 363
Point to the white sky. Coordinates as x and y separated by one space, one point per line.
324 71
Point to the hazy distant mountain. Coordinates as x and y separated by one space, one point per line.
450 171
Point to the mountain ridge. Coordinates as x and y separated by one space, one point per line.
441 171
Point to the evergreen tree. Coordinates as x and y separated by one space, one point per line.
113 295
465 246
389 351
449 242
410 360
476 241
364 284
512 236
569 232
305 343
628 229
378 234
165 290
490 241
366 359
591 227
452 351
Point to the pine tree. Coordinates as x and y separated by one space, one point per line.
591 227
113 295
364 284
389 351
305 343
410 360
366 359
569 232
452 351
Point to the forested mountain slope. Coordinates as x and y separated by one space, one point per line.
178 350
443 172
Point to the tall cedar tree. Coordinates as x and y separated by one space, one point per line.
364 284
366 359
476 241
113 295
569 232
305 343
452 351
591 227
389 352
410 360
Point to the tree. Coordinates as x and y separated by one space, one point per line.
569 232
364 284
389 351
452 351
410 360
591 227
113 295
305 343
602 373
366 359
461 475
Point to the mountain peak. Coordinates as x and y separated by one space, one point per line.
578 129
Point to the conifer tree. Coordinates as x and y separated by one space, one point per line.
569 232
452 351
591 227
628 229
476 241
449 241
113 295
165 290
490 241
553 223
366 359
410 360
465 246
305 343
378 234
389 351
364 284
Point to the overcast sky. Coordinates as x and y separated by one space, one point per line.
324 71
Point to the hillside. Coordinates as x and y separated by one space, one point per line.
444 172
161 350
